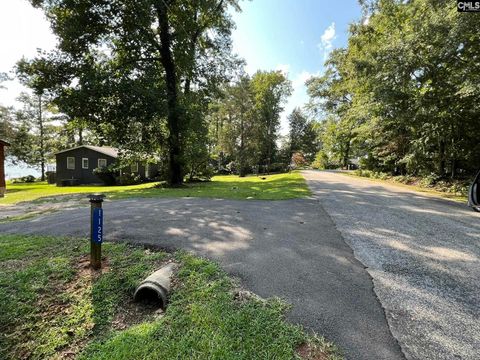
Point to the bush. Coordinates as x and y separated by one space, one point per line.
107 175
128 179
298 160
28 178
369 163
430 180
364 173
223 171
24 179
383 176
405 179
204 174
321 161
231 167
277 167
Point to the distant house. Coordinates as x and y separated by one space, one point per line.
2 167
75 166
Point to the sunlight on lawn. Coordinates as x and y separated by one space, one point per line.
267 187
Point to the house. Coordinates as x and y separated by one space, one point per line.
2 167
76 166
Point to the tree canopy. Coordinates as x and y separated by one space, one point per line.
402 94
139 72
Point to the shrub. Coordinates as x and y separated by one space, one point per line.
128 179
107 175
384 176
277 167
223 171
429 180
367 173
24 179
203 172
28 178
298 160
321 161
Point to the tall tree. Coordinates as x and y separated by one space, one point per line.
331 96
403 90
233 125
303 135
271 90
35 133
241 125
133 69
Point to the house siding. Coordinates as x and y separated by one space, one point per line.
84 176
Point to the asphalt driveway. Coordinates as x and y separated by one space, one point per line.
290 249
423 254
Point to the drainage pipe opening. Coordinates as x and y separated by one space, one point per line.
151 295
155 288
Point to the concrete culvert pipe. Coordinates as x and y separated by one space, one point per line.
156 287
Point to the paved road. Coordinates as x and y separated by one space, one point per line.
424 256
288 248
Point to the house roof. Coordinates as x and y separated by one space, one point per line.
3 142
107 150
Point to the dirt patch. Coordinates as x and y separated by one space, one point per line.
311 352
242 296
133 313
43 206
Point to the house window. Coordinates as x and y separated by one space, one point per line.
134 168
102 163
84 163
70 163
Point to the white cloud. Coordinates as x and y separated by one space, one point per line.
366 19
299 81
326 40
24 29
298 98
284 68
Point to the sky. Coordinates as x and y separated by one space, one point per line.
294 36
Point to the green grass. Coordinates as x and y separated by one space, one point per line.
269 187
32 191
53 305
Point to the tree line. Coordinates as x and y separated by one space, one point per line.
156 79
403 95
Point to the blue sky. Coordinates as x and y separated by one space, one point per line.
291 35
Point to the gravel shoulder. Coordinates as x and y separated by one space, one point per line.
423 254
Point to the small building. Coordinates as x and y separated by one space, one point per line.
76 166
2 167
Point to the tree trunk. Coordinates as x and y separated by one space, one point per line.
173 117
454 168
42 142
441 165
241 157
346 155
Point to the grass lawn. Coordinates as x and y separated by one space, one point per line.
269 187
53 306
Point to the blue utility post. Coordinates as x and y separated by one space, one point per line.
96 230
